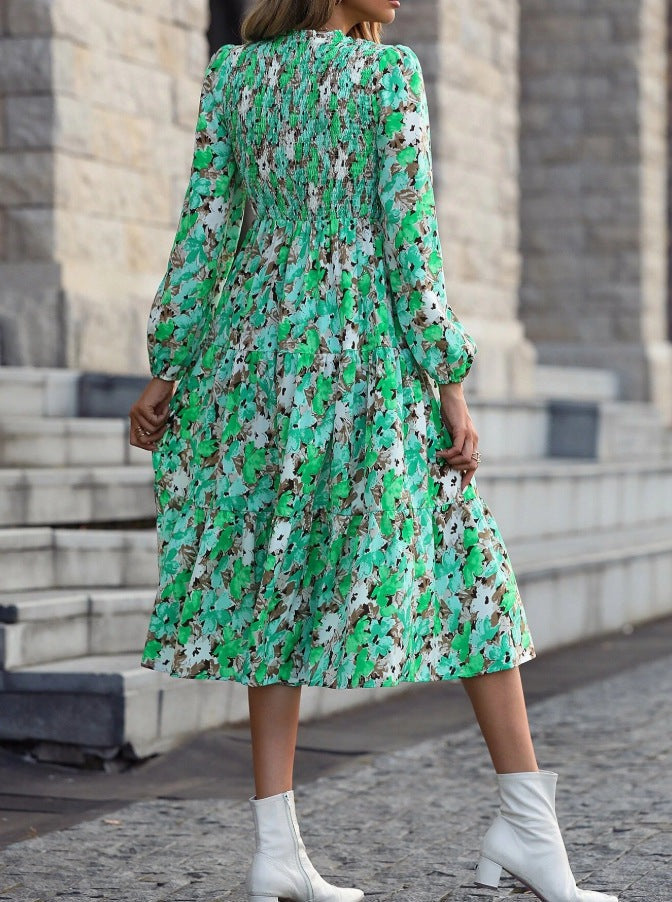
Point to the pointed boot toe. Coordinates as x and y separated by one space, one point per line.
525 840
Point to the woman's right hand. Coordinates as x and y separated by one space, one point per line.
149 414
456 418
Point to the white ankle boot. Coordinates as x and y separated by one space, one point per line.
525 840
281 870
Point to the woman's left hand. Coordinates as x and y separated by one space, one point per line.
149 414
463 454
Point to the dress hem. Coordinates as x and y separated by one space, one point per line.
529 655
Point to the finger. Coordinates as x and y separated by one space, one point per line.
145 439
461 460
458 441
148 425
145 447
467 476
154 435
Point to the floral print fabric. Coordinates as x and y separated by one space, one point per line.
307 532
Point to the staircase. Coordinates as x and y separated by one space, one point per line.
590 539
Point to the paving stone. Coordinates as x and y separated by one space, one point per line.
403 825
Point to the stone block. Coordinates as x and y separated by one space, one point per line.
86 558
135 36
25 65
111 635
29 122
40 641
186 97
37 711
12 500
111 192
26 559
26 178
142 706
31 233
172 149
148 247
28 446
137 457
106 395
21 392
101 446
117 84
80 237
128 499
237 710
192 14
197 53
212 700
51 498
172 43
29 17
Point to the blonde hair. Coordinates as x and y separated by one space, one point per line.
269 18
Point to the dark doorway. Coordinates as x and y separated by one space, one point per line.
225 19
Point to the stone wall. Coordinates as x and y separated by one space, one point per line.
593 178
469 54
98 107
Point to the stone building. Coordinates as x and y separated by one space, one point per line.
550 148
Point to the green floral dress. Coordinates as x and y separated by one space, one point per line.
307 532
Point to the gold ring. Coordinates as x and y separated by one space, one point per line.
477 456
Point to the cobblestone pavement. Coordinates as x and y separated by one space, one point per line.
404 825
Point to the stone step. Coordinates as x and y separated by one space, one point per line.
34 441
576 588
543 497
42 557
41 626
626 426
106 704
38 626
55 392
510 431
38 391
548 499
583 586
577 383
58 495
49 433
534 500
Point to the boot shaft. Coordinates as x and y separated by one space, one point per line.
528 796
275 825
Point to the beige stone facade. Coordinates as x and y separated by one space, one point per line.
549 140
469 53
99 101
594 216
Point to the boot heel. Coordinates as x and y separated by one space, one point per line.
488 872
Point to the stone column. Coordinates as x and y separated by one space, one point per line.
99 104
469 54
593 178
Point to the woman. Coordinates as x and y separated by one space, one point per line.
317 514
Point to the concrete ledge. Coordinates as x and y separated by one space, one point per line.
76 495
32 441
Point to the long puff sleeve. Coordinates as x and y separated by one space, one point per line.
436 338
206 240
